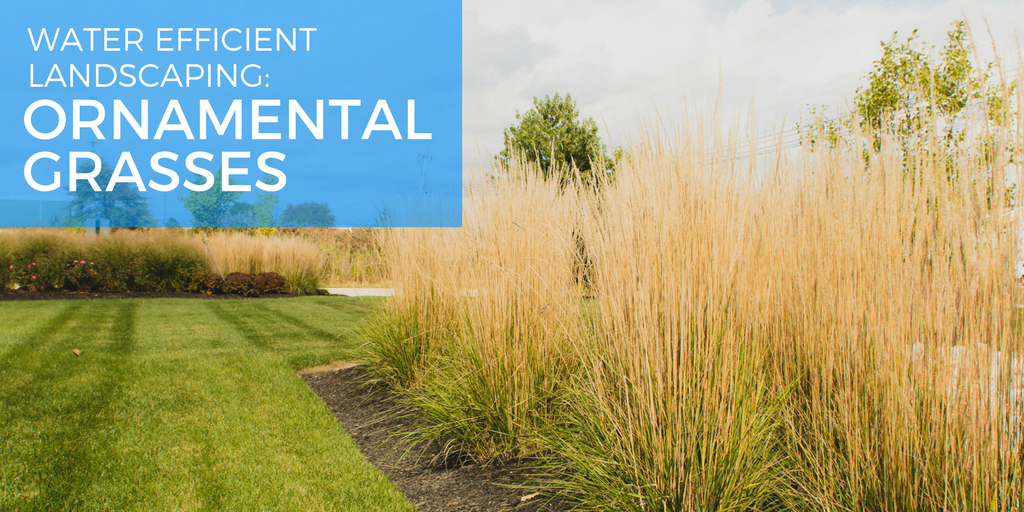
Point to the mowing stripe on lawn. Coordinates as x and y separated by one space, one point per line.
177 405
302 343
49 328
342 304
248 330
295 322
241 434
25 374
73 444
19 319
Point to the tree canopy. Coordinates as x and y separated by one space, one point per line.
123 206
217 208
209 208
907 88
552 136
307 215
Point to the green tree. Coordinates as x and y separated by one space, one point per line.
251 215
307 215
208 208
921 101
240 215
907 89
123 206
265 208
552 136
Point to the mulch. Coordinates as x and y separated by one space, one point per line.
431 481
11 295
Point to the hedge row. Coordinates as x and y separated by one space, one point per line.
57 261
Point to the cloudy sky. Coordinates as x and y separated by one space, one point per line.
625 62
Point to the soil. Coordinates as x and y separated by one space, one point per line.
64 295
431 481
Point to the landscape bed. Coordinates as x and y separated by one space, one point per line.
833 327
432 481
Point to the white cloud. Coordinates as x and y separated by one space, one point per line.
619 59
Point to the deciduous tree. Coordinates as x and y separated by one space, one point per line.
123 206
552 136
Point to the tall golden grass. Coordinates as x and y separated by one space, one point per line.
810 335
75 239
352 255
834 329
299 260
485 316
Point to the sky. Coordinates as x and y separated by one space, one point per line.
624 63
336 54
631 62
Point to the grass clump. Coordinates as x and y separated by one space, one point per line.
464 341
352 255
676 409
297 259
827 329
398 339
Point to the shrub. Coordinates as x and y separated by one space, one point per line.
126 261
270 282
168 264
241 284
116 270
6 264
206 282
157 261
37 261
80 275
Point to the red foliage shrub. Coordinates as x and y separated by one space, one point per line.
270 282
242 284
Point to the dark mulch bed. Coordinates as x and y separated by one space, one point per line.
430 481
63 295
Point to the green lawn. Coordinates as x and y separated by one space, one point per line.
178 404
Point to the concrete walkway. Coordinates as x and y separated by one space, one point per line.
362 292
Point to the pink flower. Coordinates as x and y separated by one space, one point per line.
33 277
76 266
